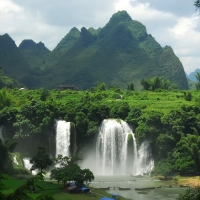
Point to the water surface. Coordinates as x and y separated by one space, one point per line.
114 182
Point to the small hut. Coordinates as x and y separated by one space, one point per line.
66 87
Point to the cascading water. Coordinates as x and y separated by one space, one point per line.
145 163
28 165
15 160
62 138
111 147
112 155
1 133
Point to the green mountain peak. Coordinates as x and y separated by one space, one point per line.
87 38
119 53
26 44
120 16
67 42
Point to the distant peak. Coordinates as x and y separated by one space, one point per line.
74 29
120 16
86 37
26 44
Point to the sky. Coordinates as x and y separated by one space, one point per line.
175 23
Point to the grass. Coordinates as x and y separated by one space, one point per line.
56 190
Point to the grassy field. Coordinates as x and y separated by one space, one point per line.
56 190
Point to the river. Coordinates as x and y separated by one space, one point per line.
114 182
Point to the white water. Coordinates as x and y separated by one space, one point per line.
62 138
1 133
112 151
15 160
28 165
145 163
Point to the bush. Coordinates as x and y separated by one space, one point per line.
190 194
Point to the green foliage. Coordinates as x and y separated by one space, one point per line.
68 170
5 99
6 148
188 154
130 86
165 143
190 194
23 192
188 96
164 118
164 168
155 83
133 116
41 160
119 110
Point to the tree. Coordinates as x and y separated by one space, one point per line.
164 168
68 170
188 154
31 185
197 75
41 160
197 4
190 194
6 148
155 83
130 86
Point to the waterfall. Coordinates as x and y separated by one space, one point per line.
15 160
111 147
145 162
28 165
112 155
1 133
62 138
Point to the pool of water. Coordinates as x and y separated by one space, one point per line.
114 182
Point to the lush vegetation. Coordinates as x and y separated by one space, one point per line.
168 119
34 188
190 194
67 170
8 82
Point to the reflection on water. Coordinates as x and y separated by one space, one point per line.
114 182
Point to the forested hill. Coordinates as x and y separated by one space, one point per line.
120 53
35 54
8 82
12 62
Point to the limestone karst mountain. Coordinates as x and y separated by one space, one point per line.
119 53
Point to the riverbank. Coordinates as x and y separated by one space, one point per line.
56 190
192 181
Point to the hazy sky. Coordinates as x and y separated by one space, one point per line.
172 22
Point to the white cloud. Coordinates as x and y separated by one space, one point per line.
184 25
141 11
186 42
7 7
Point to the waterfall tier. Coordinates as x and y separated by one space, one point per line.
113 155
1 133
28 165
63 138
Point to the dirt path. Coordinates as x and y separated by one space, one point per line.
192 181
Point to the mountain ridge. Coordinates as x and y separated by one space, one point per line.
119 53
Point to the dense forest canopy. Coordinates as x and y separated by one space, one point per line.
168 119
